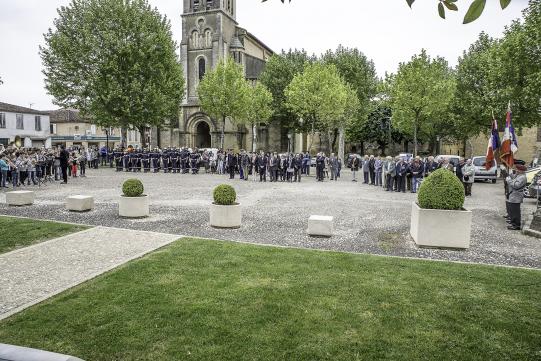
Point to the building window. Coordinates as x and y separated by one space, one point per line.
93 129
208 38
20 121
201 68
2 120
195 5
37 123
210 4
53 128
195 39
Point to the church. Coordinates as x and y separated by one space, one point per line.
210 33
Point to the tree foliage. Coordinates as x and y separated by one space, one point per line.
278 74
115 61
318 95
474 11
223 92
259 108
421 93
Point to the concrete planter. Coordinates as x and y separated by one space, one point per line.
79 203
440 228
134 207
225 216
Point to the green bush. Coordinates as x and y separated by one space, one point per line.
224 195
133 188
441 190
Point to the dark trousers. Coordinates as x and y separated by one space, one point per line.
372 177
401 183
319 173
390 182
231 172
467 188
83 168
262 174
514 214
65 173
366 177
297 175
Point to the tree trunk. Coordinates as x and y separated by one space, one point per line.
341 144
222 136
329 141
123 137
334 139
415 135
254 137
143 137
312 134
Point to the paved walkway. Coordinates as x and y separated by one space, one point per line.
32 274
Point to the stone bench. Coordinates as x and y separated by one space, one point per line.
321 226
20 198
79 203
16 353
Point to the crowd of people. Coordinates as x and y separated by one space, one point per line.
37 166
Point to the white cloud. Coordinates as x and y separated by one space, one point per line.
387 31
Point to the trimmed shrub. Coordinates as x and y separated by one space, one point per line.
441 190
133 188
224 195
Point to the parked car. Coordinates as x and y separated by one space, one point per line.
481 173
453 159
406 156
533 189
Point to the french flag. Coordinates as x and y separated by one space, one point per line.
493 145
509 143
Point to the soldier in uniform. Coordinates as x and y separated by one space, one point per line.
194 161
174 160
165 160
146 160
185 160
232 162
117 154
126 161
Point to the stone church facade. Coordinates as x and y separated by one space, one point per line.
210 33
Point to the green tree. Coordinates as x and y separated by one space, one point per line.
421 92
360 73
259 109
278 74
319 96
223 92
115 61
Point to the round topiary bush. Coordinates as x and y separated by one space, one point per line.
224 195
441 190
133 188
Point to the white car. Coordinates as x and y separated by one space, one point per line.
453 159
481 173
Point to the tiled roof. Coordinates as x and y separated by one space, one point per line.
5 107
67 116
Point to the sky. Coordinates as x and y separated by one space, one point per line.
386 31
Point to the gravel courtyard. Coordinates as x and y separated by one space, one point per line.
367 219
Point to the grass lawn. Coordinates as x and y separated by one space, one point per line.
210 300
20 232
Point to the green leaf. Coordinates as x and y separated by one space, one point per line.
450 5
505 3
441 10
475 11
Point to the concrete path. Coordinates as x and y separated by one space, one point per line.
32 274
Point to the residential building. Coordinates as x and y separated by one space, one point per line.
24 127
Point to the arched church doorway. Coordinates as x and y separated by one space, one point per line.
202 135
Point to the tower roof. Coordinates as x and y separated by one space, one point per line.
236 43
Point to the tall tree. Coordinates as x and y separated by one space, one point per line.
420 91
223 92
259 109
115 61
318 96
278 74
360 73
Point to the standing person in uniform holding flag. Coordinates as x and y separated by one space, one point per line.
508 149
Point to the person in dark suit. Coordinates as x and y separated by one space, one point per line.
232 163
64 157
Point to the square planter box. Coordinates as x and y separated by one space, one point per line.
225 216
134 207
440 228
320 226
